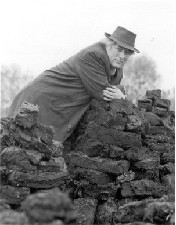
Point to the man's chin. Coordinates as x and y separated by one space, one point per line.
118 66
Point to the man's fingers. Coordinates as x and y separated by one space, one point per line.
108 94
107 99
113 93
114 90
114 87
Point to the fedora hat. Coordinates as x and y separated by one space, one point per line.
124 38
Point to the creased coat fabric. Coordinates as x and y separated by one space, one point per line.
64 92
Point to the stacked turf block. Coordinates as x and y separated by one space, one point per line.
122 166
123 162
30 159
161 137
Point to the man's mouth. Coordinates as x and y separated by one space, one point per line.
118 61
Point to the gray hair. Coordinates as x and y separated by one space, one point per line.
108 42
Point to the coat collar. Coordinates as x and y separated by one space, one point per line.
112 79
102 45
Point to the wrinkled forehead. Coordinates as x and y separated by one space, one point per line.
121 47
116 44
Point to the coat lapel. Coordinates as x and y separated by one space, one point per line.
107 68
116 78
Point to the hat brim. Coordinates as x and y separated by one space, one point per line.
121 43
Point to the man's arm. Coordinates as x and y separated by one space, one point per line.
91 69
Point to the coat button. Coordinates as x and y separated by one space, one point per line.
69 126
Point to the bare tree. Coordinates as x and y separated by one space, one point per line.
12 81
140 75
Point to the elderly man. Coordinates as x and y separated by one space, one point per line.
64 92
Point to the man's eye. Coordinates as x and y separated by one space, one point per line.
120 49
129 52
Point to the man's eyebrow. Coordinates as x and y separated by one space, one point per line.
119 46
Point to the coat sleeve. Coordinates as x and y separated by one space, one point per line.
91 70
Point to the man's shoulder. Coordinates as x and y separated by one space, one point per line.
96 50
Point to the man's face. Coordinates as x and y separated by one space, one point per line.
118 55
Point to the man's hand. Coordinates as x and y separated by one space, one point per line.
121 87
113 92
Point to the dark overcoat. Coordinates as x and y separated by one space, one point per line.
64 92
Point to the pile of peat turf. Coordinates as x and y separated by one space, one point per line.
30 159
122 165
31 169
121 169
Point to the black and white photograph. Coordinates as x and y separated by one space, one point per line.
87 112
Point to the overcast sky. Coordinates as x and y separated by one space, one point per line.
38 34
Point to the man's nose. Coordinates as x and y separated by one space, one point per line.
122 54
